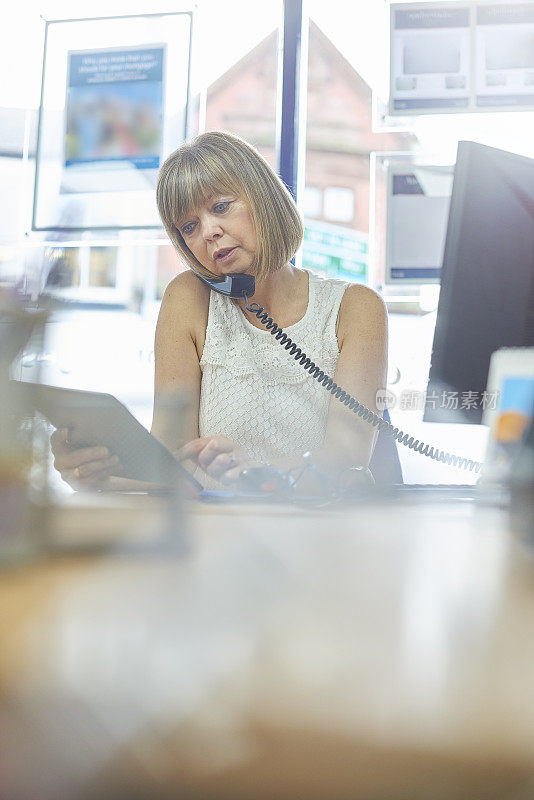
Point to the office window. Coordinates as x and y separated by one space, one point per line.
339 133
62 269
84 274
338 204
313 202
103 266
168 266
16 179
242 90
8 263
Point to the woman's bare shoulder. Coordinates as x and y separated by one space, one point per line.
361 295
363 299
184 310
186 292
186 300
361 310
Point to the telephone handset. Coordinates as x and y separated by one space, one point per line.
241 285
235 285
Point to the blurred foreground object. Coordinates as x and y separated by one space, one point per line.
522 486
21 516
378 654
509 412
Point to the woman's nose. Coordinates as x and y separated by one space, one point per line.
211 229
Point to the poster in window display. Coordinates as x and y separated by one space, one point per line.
114 119
418 199
115 101
461 57
504 65
430 50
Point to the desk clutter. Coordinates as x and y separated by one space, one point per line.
282 653
511 380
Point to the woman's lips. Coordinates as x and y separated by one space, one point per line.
226 256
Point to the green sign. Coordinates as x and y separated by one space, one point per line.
335 251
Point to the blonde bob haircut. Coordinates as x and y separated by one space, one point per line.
218 163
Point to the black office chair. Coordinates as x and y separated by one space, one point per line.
385 463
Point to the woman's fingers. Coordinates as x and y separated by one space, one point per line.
59 441
227 467
219 457
208 446
70 459
107 465
83 467
220 465
209 454
232 475
190 450
94 475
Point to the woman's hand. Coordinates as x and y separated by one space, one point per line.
83 467
219 457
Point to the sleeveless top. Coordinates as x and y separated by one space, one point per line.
253 391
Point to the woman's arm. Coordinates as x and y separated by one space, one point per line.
179 340
178 346
179 333
361 371
180 337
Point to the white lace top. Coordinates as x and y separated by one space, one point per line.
253 391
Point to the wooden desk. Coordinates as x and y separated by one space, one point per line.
370 653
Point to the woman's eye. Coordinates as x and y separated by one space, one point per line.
220 208
187 229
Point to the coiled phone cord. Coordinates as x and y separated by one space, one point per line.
351 403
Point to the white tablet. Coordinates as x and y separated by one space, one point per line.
98 419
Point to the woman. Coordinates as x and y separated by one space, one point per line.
226 211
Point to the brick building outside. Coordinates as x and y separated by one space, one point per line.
339 136
339 140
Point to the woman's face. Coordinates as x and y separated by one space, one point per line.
221 234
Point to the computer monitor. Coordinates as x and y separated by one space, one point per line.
487 280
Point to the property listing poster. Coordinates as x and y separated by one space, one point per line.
430 49
504 67
456 57
418 199
114 119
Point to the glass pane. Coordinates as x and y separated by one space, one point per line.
242 97
168 266
103 266
339 141
17 127
338 204
115 281
312 206
63 268
114 106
